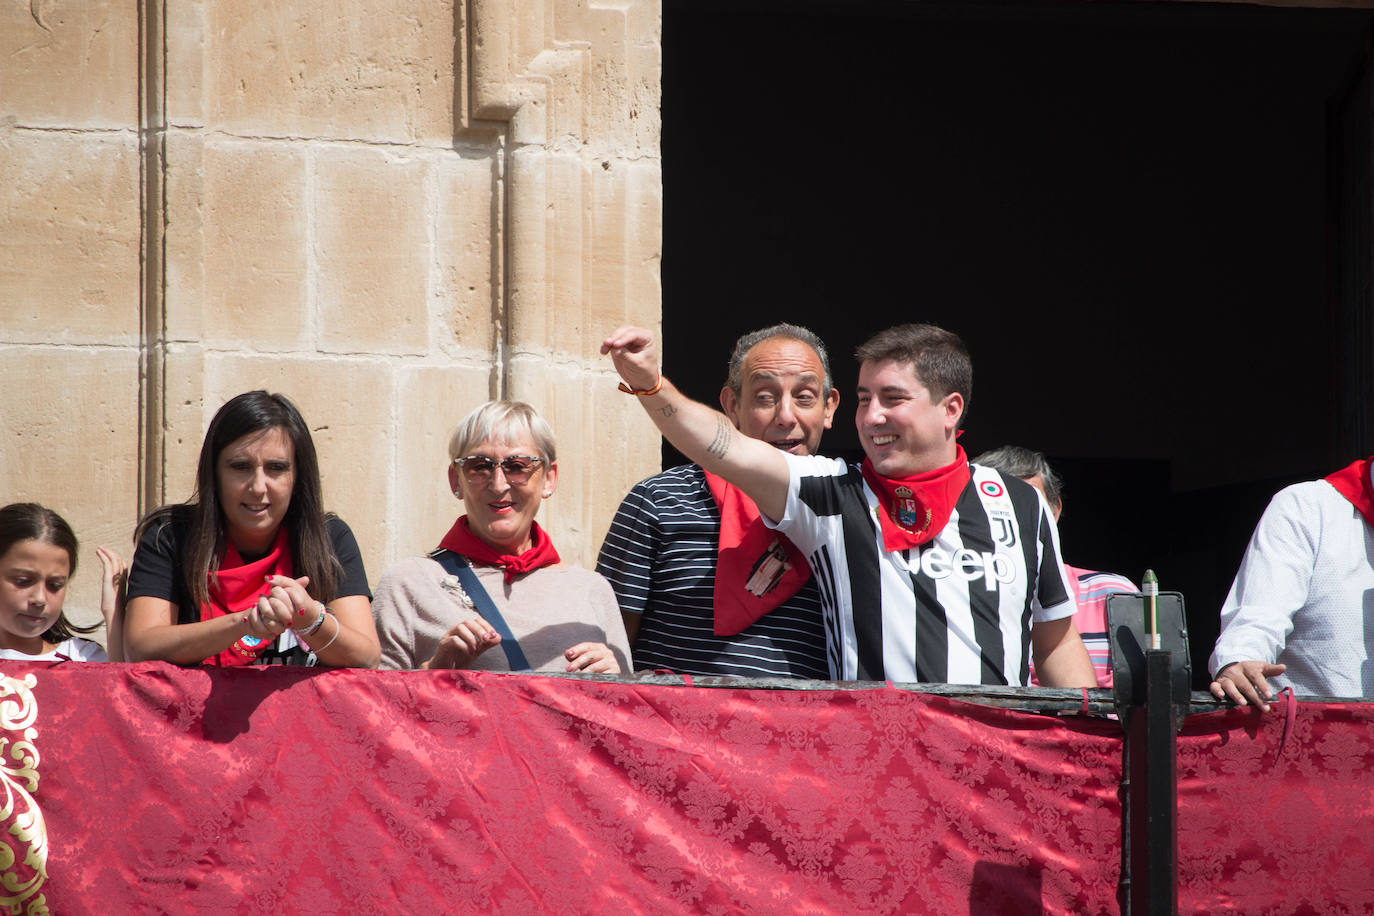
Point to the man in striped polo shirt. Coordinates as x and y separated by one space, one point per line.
1091 589
929 568
664 546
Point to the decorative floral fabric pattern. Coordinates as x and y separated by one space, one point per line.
1306 802
24 842
318 791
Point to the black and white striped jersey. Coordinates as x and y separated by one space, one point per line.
958 609
660 558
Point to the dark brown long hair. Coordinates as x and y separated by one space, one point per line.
32 522
312 553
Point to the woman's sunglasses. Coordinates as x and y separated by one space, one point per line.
517 468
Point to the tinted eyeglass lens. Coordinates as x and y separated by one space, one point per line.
517 468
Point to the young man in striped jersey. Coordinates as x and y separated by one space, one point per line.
1090 589
704 601
929 569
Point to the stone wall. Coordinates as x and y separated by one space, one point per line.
388 214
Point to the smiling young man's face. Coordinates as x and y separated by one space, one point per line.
904 430
783 399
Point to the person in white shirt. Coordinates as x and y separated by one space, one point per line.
1299 612
38 551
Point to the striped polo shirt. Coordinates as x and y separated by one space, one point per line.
660 558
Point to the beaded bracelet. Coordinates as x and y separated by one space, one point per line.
315 624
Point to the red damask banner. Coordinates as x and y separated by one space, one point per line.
236 791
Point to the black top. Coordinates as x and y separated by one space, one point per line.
156 568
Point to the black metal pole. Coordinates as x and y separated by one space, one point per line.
1130 795
1161 785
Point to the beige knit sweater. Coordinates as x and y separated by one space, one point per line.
549 610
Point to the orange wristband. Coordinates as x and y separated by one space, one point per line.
643 392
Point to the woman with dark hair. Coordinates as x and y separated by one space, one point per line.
251 570
37 560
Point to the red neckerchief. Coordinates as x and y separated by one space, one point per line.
1352 482
915 509
757 568
460 539
236 587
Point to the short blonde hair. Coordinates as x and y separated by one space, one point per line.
503 421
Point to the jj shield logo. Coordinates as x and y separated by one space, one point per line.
1005 530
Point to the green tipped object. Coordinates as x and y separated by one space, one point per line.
1151 589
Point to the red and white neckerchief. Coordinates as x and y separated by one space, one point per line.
236 586
757 568
913 510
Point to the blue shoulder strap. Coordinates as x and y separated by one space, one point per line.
457 565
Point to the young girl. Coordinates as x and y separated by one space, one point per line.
37 559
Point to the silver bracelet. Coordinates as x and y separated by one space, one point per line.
310 628
337 628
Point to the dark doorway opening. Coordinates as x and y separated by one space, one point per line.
1131 213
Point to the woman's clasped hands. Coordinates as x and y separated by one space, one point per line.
286 605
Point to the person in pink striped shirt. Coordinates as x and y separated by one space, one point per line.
1090 588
